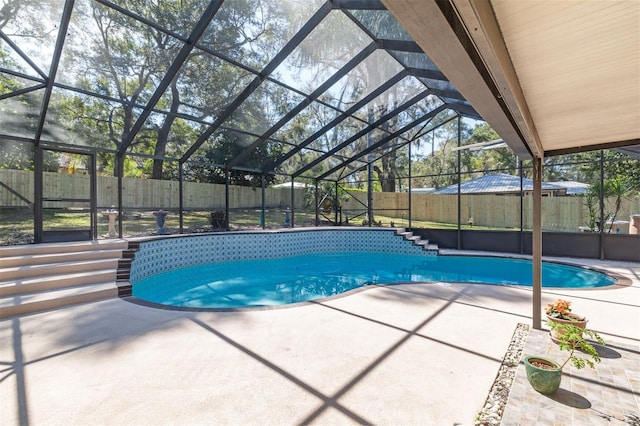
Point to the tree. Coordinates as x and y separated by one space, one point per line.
326 51
490 159
26 23
619 187
125 59
118 58
440 168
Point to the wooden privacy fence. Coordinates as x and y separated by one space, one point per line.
499 211
140 193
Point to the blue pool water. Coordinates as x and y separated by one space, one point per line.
314 276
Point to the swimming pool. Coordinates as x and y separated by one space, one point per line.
293 279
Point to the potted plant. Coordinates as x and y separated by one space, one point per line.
545 375
559 312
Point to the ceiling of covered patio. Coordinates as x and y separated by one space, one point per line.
552 77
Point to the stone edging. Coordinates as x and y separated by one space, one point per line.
491 413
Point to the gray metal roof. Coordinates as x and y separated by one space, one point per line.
496 184
573 187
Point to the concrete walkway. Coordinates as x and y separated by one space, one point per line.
413 354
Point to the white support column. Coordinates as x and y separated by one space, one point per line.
537 243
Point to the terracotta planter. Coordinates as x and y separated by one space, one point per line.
543 380
579 321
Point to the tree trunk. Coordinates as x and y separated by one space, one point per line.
387 174
163 135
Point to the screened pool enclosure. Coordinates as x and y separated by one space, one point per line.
233 114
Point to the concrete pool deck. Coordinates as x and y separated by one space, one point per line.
412 354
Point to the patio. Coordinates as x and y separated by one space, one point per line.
408 354
332 94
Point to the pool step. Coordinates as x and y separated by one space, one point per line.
124 269
54 282
57 248
417 240
47 259
32 303
39 277
20 273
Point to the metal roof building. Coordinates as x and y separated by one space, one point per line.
500 184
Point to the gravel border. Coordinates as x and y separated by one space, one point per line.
491 413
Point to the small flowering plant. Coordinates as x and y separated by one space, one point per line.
559 309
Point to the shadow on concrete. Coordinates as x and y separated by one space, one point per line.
606 352
570 399
332 401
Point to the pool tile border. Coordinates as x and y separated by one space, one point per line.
164 254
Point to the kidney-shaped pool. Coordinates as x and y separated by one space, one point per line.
293 279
